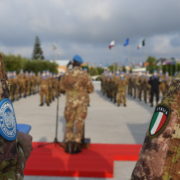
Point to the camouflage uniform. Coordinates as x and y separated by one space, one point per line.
145 88
160 154
121 91
44 91
77 85
130 85
165 82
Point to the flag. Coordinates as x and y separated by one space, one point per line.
126 42
159 119
143 42
112 44
139 46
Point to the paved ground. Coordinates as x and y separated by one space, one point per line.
106 123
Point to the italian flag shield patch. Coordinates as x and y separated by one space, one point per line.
159 120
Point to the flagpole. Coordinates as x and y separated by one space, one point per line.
57 119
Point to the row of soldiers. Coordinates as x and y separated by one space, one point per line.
25 84
146 86
22 84
116 85
49 88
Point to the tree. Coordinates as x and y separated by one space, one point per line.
37 51
113 67
152 64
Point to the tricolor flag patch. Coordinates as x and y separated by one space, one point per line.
159 120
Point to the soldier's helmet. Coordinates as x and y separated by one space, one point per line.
78 59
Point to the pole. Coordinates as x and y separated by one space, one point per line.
57 119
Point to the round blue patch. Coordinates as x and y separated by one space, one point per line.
8 129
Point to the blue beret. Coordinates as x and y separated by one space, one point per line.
78 59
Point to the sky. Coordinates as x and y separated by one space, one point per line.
86 27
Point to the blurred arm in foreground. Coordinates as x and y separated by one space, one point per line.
15 147
160 155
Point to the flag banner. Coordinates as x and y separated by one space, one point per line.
112 44
159 120
126 42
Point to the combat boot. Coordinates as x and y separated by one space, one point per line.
76 148
69 147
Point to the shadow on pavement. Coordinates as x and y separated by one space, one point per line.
99 93
42 139
142 104
138 131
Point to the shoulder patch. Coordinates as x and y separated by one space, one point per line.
159 120
8 129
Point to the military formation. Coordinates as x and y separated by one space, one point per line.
49 88
114 86
159 158
26 84
141 86
22 84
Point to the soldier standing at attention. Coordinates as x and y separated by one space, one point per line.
160 155
121 90
77 85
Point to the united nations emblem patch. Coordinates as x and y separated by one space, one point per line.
159 120
8 128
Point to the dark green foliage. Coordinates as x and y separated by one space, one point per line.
93 71
124 69
178 67
113 67
100 70
40 65
14 63
152 64
172 69
17 63
37 51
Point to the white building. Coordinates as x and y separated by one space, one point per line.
62 64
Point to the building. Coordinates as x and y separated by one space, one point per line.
62 64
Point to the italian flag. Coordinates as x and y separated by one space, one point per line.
157 122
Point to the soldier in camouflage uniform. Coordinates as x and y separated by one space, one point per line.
130 85
165 82
77 85
44 91
13 152
145 87
160 155
121 90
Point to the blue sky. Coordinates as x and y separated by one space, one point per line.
86 27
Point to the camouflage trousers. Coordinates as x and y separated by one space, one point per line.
75 120
121 98
44 97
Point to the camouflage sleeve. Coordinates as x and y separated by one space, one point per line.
90 87
160 155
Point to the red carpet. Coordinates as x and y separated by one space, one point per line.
97 161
